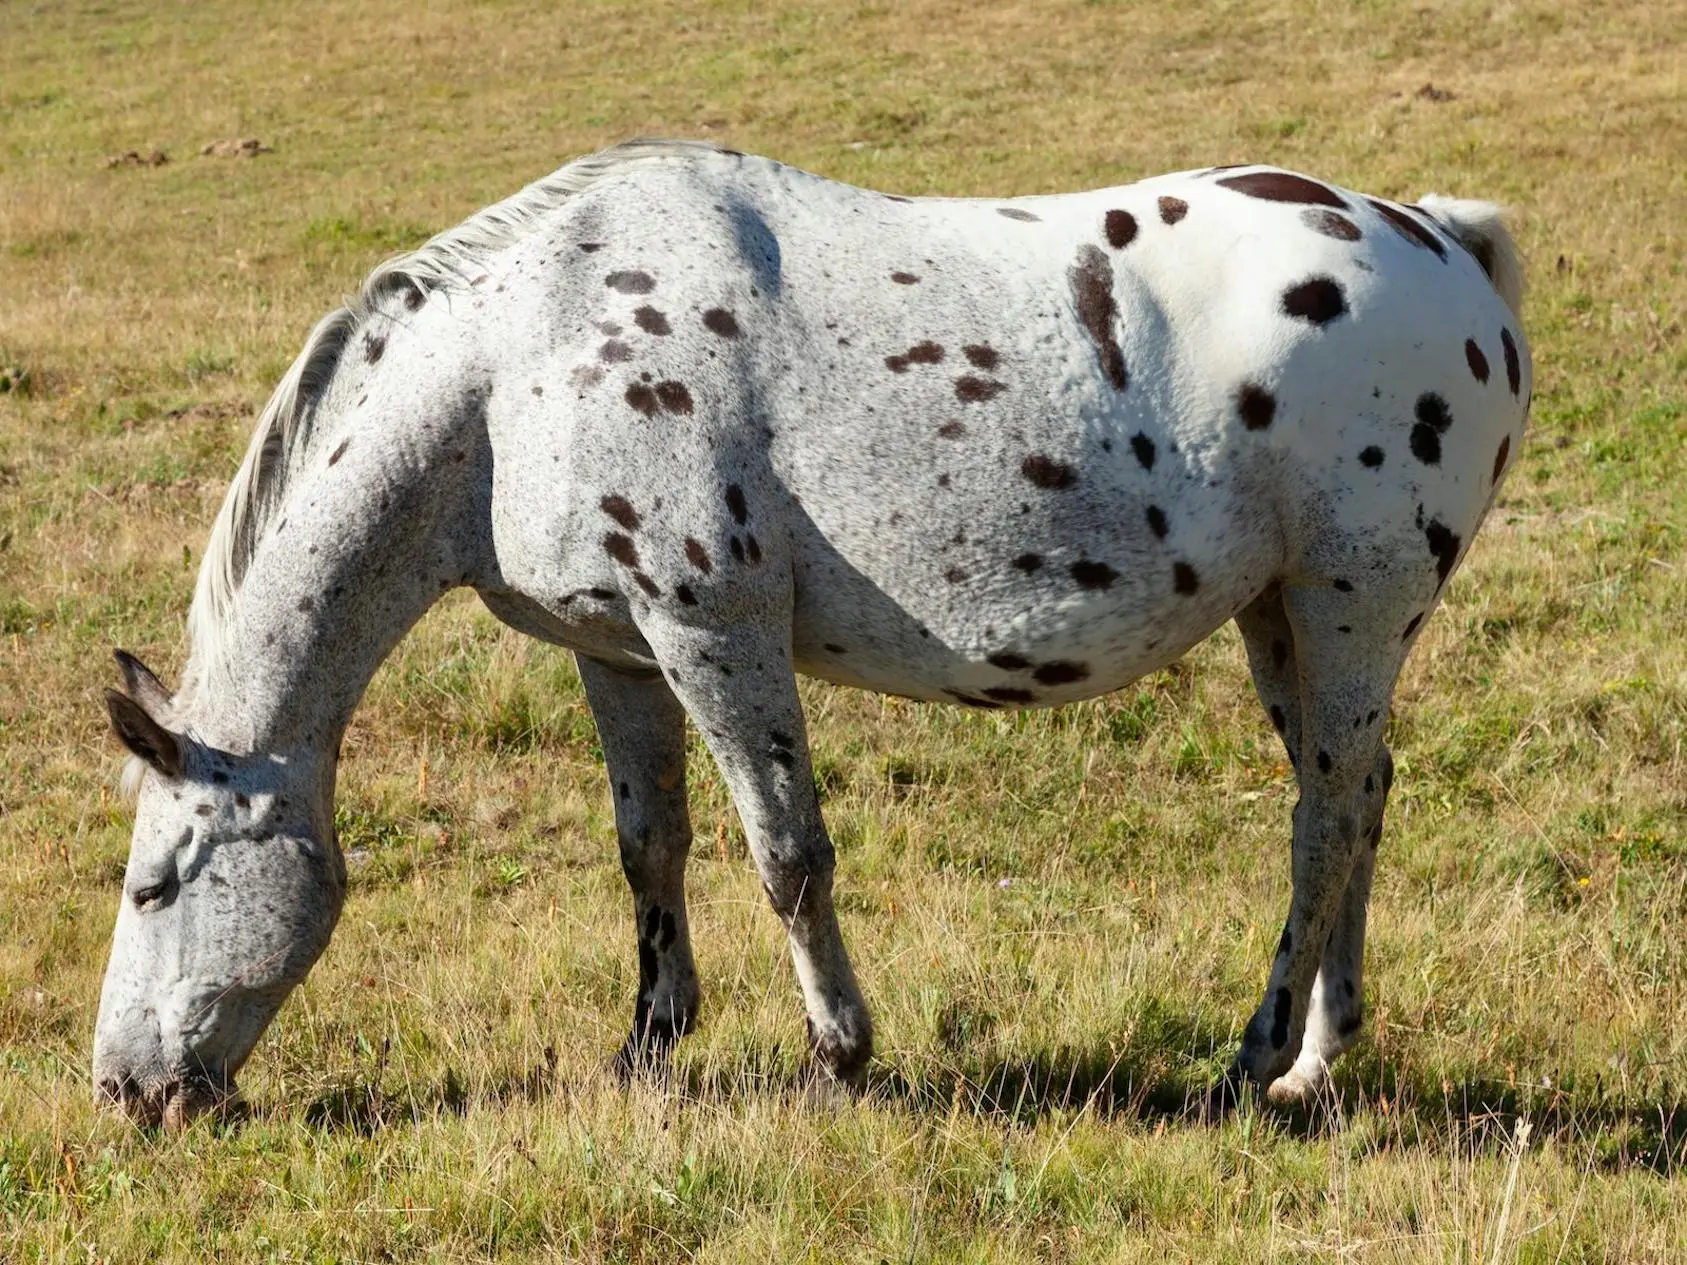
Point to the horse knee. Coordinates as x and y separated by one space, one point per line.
798 882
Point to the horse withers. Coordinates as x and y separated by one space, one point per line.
710 421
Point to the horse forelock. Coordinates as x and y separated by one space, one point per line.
287 428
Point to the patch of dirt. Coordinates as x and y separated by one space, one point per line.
134 158
249 147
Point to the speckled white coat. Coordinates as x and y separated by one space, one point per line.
711 421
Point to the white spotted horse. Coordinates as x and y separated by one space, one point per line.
710 421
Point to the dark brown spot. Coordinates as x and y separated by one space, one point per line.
1014 213
832 647
982 356
1500 456
647 584
1444 544
1371 457
1476 360
602 595
697 556
621 548
415 297
1062 672
685 595
1279 722
972 390
1324 762
1172 210
1120 227
306 605
1284 186
1157 521
1408 227
926 353
717 320
630 282
1143 447
970 701
1412 627
1008 662
1093 575
374 347
1046 472
1318 300
954 575
589 247
1184 579
609 328
614 351
1256 405
1027 562
1009 694
1344 586
1281 1014
1091 279
1513 367
643 399
621 510
943 480
334 457
736 503
1330 224
904 278
752 547
952 430
674 397
651 321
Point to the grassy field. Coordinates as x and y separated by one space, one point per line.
1061 919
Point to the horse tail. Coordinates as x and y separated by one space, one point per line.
1480 228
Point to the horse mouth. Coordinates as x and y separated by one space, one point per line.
173 1103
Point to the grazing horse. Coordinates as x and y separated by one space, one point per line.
710 421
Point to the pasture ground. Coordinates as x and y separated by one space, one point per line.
1060 918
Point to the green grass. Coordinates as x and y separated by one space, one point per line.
1060 919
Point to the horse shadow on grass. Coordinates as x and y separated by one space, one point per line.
1165 1074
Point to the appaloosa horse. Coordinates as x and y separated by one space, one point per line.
711 421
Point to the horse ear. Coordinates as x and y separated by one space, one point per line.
145 736
140 683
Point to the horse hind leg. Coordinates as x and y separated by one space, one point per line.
642 728
1325 674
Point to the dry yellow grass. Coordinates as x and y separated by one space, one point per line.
436 1090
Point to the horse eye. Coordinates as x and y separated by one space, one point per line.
148 895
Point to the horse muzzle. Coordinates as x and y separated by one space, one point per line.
171 1101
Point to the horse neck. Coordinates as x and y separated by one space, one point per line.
382 518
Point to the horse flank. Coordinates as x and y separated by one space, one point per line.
286 429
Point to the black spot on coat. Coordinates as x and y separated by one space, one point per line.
1283 186
1091 279
630 282
1047 472
1318 299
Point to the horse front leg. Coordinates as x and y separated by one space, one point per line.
642 728
738 685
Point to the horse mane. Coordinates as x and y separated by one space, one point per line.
287 426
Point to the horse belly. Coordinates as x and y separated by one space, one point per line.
992 630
